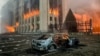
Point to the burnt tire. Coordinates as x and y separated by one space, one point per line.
75 42
51 48
65 44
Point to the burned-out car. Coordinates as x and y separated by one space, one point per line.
51 42
45 42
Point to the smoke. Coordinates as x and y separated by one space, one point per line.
6 16
87 7
84 6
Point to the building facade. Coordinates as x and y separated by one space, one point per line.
38 16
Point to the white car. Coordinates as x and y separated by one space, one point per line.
45 42
51 42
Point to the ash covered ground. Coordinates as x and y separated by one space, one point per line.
89 46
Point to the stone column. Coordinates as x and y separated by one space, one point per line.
44 8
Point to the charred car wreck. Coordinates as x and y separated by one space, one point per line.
51 42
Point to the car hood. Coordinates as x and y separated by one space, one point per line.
43 42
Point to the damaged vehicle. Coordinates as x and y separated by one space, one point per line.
44 43
51 42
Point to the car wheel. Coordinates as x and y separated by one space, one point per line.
75 42
51 48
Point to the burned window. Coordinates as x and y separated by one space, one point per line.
51 27
50 18
55 25
32 19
